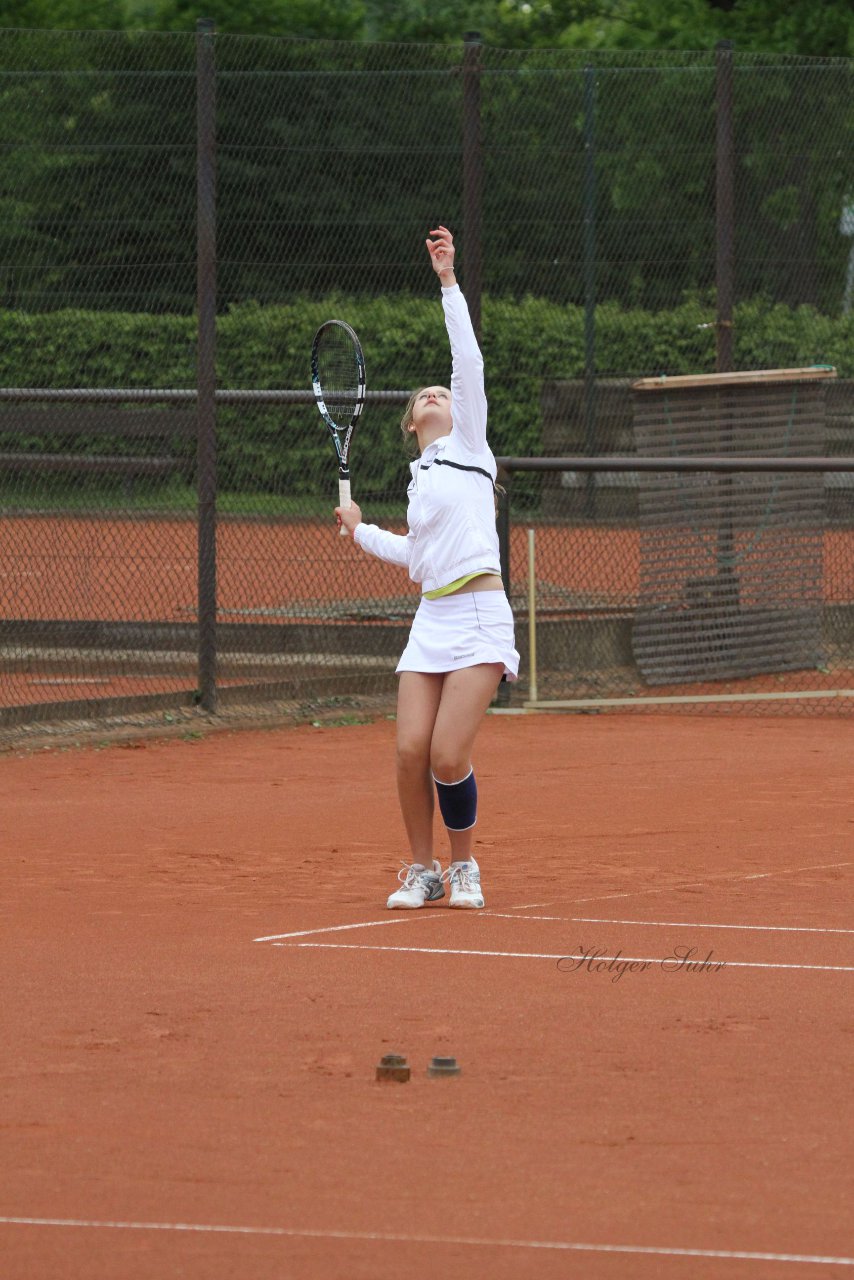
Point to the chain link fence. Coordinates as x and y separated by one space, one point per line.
180 212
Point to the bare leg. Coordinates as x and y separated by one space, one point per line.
418 696
465 696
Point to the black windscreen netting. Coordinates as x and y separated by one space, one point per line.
730 564
581 190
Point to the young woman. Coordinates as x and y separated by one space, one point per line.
461 642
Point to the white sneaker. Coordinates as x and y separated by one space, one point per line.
464 879
419 886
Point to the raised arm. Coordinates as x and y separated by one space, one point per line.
468 398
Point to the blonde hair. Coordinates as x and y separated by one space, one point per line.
410 440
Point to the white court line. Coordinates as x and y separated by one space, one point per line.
370 924
388 1237
670 924
547 955
683 884
332 928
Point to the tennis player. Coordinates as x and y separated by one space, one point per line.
461 642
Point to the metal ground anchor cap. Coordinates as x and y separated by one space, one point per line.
393 1066
444 1067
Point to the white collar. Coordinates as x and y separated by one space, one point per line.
435 446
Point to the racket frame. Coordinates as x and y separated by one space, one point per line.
342 435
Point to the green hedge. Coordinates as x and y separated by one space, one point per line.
286 451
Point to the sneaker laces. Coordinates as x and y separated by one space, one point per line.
462 877
410 873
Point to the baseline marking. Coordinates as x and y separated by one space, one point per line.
333 928
669 924
743 1255
547 955
689 884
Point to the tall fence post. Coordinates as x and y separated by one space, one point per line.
206 356
724 204
589 281
502 696
725 282
472 175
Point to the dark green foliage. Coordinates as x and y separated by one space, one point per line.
285 449
334 159
817 28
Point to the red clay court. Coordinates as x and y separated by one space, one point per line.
66 570
201 978
143 568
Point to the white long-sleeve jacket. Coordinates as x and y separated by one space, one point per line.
451 512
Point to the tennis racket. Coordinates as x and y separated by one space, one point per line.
338 381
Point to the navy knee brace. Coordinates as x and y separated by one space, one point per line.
458 802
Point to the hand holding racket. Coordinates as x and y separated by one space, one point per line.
338 381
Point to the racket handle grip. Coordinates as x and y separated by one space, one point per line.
344 500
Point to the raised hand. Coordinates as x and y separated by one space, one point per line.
441 250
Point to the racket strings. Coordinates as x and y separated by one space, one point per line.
339 376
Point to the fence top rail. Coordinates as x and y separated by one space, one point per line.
748 377
299 395
705 462
176 395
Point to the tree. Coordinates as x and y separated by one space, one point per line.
812 28
305 19
803 27
64 15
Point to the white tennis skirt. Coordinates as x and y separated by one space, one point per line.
461 630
